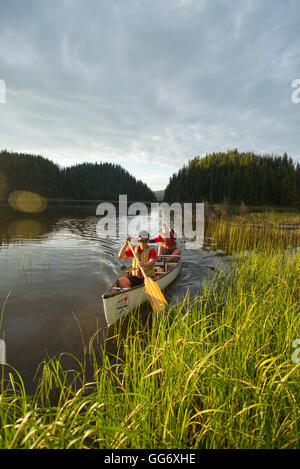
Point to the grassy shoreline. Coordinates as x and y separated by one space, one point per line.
216 372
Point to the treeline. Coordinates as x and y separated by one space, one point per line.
86 181
237 177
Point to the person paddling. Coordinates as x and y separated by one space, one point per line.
168 245
146 256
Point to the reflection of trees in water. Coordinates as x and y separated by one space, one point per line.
28 229
77 219
19 225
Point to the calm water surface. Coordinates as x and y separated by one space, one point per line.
54 269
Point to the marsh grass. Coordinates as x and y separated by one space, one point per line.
214 371
267 233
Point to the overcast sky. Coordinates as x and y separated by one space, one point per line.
149 84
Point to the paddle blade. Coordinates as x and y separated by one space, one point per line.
155 295
156 305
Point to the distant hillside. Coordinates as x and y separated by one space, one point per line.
159 195
86 181
237 177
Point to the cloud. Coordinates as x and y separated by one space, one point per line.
148 83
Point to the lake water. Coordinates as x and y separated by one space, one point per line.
53 271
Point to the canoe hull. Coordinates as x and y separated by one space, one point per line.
118 304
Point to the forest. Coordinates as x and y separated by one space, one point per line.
86 181
237 177
234 176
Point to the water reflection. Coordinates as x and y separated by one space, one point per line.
28 229
56 268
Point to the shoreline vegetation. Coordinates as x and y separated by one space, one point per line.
216 371
240 228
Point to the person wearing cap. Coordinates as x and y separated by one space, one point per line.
146 256
168 246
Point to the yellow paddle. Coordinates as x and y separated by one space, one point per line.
153 292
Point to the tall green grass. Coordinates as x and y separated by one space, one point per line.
240 234
214 371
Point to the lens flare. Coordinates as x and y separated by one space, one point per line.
26 201
28 229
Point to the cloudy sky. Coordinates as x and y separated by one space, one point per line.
148 84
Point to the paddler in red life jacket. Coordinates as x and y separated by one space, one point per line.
146 256
168 246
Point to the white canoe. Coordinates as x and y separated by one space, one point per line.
119 302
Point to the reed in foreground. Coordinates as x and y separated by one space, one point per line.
217 371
